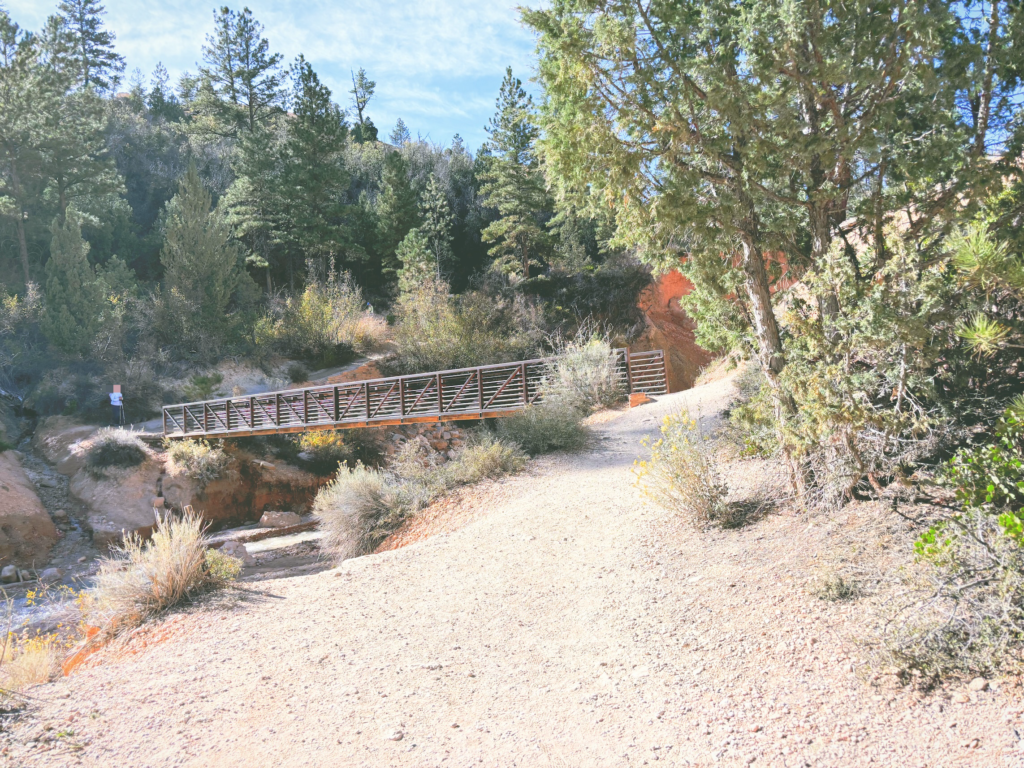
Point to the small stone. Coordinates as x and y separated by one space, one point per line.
446 435
753 727
51 575
9 574
960 698
83 559
978 684
26 576
47 482
272 519
305 456
237 549
396 736
60 514
439 445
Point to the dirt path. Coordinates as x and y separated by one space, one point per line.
570 625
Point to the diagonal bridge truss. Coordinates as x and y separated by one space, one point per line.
487 391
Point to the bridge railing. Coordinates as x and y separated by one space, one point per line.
468 393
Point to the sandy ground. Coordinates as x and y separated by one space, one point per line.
560 622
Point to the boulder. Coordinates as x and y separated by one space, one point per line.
26 531
9 574
26 575
119 502
64 443
51 575
272 519
237 549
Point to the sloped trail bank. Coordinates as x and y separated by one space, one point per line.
566 623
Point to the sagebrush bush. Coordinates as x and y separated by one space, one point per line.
114 448
362 506
221 567
29 660
141 578
545 427
682 474
197 460
584 376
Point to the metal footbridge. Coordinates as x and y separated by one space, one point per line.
484 392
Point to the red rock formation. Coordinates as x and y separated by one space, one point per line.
669 329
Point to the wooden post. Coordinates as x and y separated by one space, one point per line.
480 388
337 406
629 374
440 396
163 413
277 410
401 397
366 394
305 406
227 414
526 389
206 417
252 412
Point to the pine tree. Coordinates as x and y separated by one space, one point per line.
400 136
362 91
253 202
202 268
513 182
96 63
316 181
245 85
161 100
417 260
396 209
437 223
74 297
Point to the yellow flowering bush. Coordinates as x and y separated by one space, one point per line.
682 475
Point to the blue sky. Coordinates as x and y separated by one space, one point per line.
438 64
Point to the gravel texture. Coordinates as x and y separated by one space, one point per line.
562 622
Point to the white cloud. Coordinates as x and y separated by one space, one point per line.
437 63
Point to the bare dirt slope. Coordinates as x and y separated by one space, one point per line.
567 625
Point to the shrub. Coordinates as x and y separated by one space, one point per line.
584 375
28 661
221 567
438 332
202 387
325 450
297 373
5 446
546 427
682 475
363 506
967 614
114 448
142 578
835 588
196 459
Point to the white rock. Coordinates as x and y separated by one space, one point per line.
396 735
273 519
9 574
978 684
237 549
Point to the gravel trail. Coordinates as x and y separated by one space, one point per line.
569 625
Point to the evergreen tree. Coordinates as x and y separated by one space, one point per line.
400 136
253 202
316 181
96 63
418 263
202 270
437 223
513 182
362 91
245 85
28 97
396 209
74 297
161 100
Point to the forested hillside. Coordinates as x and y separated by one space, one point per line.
148 226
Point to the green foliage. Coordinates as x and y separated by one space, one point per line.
437 223
419 264
682 474
324 451
201 387
437 332
546 427
196 460
222 568
968 613
396 209
513 183
114 448
203 274
90 48
73 295
584 377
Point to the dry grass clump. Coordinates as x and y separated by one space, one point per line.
142 578
196 459
27 661
362 506
682 474
114 448
545 427
584 376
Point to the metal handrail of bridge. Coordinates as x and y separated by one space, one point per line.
486 391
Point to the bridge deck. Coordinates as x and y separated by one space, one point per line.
469 393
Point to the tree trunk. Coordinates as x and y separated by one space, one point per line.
22 244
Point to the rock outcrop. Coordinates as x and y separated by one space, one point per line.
119 501
26 531
670 329
63 442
